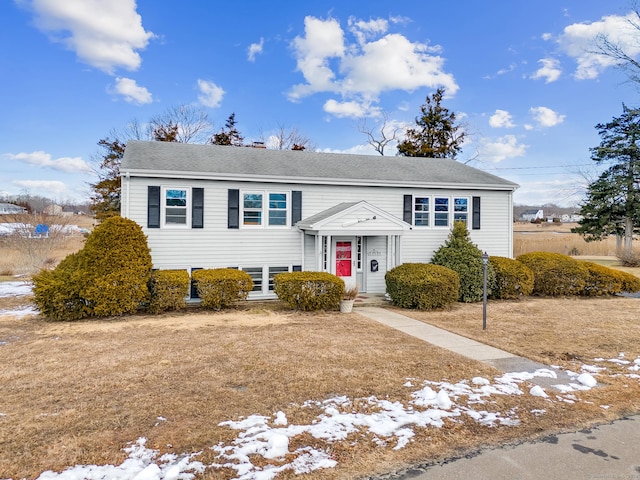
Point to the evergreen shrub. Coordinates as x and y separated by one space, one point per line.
608 281
513 279
222 287
556 274
168 290
107 277
308 291
422 286
462 256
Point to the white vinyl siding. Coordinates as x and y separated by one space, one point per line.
217 246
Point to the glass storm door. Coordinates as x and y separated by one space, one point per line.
344 253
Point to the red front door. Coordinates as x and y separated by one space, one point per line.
343 259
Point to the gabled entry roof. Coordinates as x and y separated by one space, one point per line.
353 218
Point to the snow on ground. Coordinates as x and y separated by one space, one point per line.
14 289
389 424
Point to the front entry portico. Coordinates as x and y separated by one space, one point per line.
356 241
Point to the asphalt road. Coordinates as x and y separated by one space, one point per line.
606 452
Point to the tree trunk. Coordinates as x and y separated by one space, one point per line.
628 234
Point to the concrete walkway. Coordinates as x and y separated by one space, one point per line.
504 361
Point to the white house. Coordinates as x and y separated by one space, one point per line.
11 209
531 215
271 211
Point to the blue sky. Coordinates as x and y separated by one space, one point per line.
520 76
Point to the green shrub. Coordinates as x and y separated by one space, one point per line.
57 292
462 256
107 277
555 274
168 290
309 291
608 281
512 278
222 287
422 286
630 283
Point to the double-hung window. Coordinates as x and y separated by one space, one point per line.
441 212
260 209
461 209
421 211
252 209
277 209
175 202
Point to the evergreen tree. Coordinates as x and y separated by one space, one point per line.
436 134
613 200
229 135
105 199
461 255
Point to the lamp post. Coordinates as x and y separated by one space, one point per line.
485 262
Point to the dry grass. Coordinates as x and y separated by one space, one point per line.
557 238
77 393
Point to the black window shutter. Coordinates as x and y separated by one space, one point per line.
407 212
233 208
475 224
296 206
197 208
153 206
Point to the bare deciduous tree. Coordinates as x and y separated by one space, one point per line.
619 52
285 138
192 124
386 134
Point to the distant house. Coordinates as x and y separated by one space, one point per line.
531 215
571 217
11 209
270 211
53 210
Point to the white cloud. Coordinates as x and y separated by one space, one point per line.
46 188
211 94
132 92
546 117
106 34
549 71
255 49
350 109
43 160
501 149
579 42
361 70
501 119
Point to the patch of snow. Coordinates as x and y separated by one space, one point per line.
592 368
140 465
281 419
587 380
15 289
20 311
538 391
480 381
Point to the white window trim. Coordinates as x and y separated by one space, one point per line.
163 207
264 223
468 212
432 211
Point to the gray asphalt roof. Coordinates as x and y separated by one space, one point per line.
215 161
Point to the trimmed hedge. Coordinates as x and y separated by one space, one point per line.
308 291
107 277
513 279
556 274
222 287
608 281
422 286
462 256
168 290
